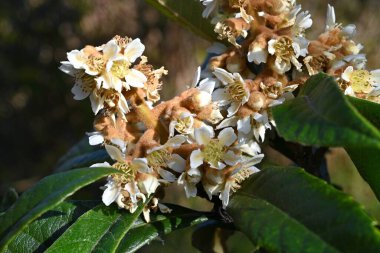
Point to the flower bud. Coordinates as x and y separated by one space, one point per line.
256 100
235 63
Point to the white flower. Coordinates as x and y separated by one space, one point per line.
148 183
235 93
216 152
160 157
111 192
238 175
84 83
348 30
183 125
258 53
287 51
361 81
190 179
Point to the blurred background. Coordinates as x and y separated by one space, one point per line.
40 121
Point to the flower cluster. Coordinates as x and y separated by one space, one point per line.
270 42
208 138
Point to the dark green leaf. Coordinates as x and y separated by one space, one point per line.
46 194
142 233
367 159
84 160
322 116
9 198
105 229
370 110
288 210
42 232
211 234
188 13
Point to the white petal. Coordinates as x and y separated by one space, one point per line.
203 135
175 141
80 93
95 139
347 73
221 96
230 158
234 107
134 50
97 103
228 122
115 153
196 77
258 55
177 163
227 136
149 184
135 78
223 76
330 19
271 48
110 50
163 208
110 194
251 148
168 176
142 165
76 58
225 194
123 104
207 85
244 125
196 158
105 164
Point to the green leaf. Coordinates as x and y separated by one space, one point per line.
84 160
288 210
45 195
142 233
9 198
109 229
367 159
42 232
370 110
188 13
322 116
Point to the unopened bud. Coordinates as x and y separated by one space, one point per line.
235 63
256 100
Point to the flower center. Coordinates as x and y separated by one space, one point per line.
96 63
237 91
128 170
213 151
284 48
158 158
361 81
120 68
184 125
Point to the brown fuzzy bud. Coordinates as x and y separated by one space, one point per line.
238 26
256 100
218 62
235 63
